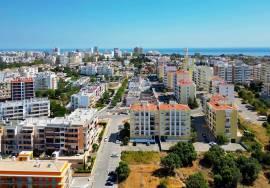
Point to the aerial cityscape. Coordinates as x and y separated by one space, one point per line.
135 94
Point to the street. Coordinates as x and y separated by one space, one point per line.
104 162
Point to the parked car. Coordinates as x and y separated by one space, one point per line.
109 183
115 155
212 144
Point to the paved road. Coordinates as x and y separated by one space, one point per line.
104 162
249 115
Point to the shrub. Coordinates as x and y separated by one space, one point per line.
170 162
122 171
196 181
185 151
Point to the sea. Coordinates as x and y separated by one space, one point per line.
263 51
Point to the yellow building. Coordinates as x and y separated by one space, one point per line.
170 80
161 71
167 121
222 118
185 91
35 173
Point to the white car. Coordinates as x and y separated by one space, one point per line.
105 139
212 143
114 155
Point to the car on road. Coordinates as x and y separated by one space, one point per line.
114 155
109 183
118 142
212 144
105 139
262 118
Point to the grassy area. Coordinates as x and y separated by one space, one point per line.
140 157
259 131
120 92
100 136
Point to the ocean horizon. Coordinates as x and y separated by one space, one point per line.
252 51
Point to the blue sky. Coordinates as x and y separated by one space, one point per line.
127 23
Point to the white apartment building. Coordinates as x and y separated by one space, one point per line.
167 68
235 72
242 73
35 107
224 71
105 69
63 60
45 80
87 96
90 69
219 86
256 72
201 77
100 69
265 78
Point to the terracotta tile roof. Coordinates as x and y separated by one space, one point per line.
17 80
173 106
181 71
218 102
139 107
185 82
218 106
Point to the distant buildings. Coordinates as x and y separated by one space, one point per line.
201 77
167 121
138 50
185 91
94 69
45 80
236 72
21 109
265 78
87 96
22 88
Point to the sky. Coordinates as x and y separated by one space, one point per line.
129 23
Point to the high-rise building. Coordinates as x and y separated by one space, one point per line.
138 50
22 88
202 76
265 78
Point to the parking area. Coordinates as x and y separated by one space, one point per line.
246 112
203 147
140 147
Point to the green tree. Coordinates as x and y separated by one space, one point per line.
213 155
95 147
185 151
228 177
222 139
250 168
170 162
122 171
196 181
